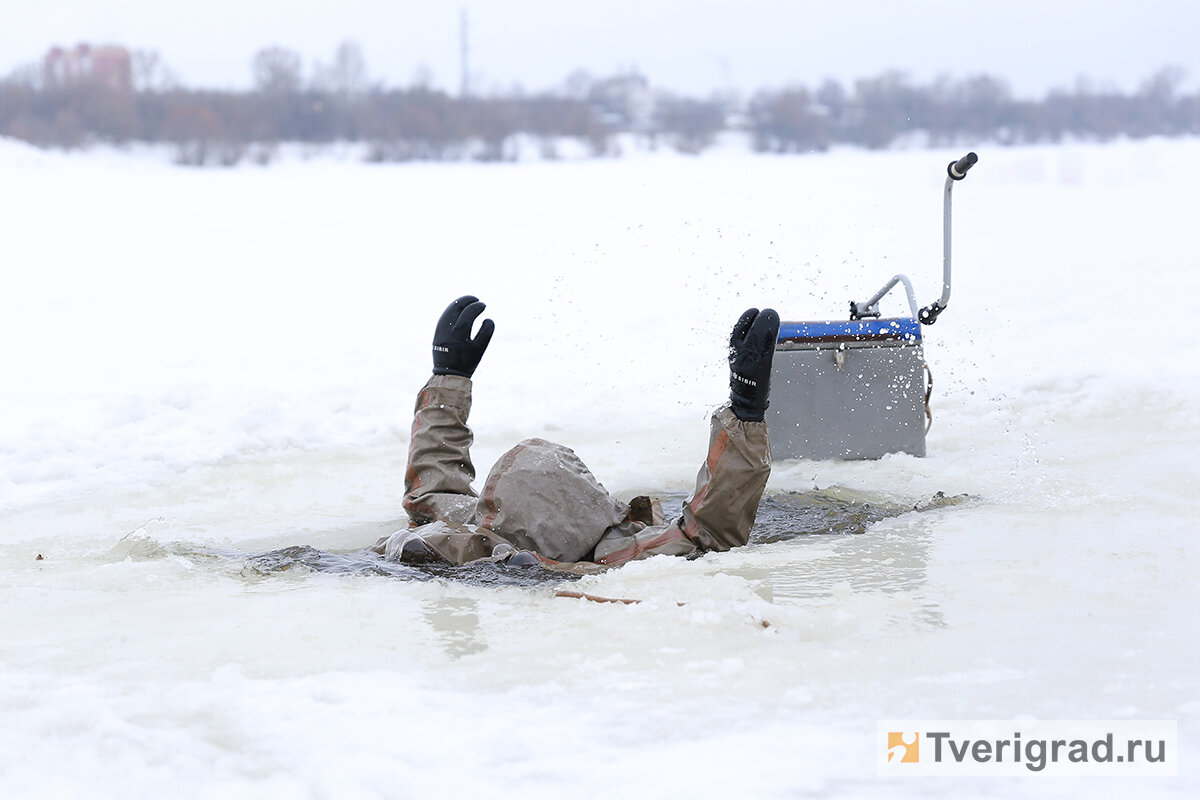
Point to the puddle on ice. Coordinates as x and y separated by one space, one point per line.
836 560
823 516
834 510
364 562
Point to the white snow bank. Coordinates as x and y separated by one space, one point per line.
228 359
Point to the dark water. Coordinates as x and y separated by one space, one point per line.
780 517
820 511
786 516
365 562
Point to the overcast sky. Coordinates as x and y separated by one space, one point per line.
692 46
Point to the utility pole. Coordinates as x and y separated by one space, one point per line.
464 49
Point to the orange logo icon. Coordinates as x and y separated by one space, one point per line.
904 748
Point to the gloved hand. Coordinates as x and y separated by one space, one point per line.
751 348
454 351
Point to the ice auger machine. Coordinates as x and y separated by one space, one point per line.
858 389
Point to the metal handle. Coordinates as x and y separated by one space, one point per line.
870 308
956 171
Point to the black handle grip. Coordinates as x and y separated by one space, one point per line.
958 169
929 314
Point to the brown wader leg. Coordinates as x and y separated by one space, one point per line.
437 483
438 497
719 513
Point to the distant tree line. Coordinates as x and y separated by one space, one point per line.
879 111
338 102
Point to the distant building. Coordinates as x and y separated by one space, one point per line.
624 101
108 65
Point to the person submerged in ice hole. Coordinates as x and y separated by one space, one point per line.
540 504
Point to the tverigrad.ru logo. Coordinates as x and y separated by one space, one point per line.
1043 747
903 747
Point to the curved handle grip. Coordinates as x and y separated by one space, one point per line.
929 314
958 169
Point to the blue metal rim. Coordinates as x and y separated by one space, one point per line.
900 328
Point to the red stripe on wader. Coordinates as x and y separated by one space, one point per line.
489 488
717 450
714 455
621 556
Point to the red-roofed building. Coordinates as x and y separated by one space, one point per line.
107 65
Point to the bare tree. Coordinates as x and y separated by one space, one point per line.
27 75
150 73
347 75
579 85
788 122
423 78
1164 84
277 71
691 124
886 107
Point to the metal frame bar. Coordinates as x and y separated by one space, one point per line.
956 171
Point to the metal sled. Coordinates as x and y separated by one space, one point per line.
857 389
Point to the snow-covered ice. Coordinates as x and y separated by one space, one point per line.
199 365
